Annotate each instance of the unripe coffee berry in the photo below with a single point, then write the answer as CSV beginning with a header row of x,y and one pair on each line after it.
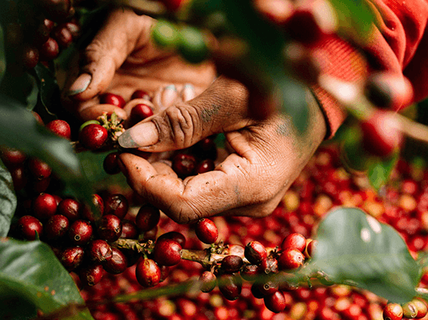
x,y
148,273
294,241
290,259
56,227
409,310
29,227
109,228
167,252
111,98
80,232
99,251
117,263
60,128
206,231
255,252
93,136
147,218
44,206
116,204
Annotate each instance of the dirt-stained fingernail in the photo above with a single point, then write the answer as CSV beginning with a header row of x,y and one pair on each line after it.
x,y
80,84
140,135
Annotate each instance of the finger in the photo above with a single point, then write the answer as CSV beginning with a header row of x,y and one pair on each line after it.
x,y
108,50
221,108
188,92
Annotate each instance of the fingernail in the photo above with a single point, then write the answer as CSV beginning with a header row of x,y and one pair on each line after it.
x,y
80,85
188,92
140,135
169,95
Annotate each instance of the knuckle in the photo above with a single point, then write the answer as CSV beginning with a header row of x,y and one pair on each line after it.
x,y
183,125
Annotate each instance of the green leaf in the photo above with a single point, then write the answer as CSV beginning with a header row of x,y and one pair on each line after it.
x,y
49,93
19,129
31,274
380,171
7,200
266,43
355,248
355,18
2,54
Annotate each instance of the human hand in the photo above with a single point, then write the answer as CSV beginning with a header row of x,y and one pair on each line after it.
x,y
268,155
121,59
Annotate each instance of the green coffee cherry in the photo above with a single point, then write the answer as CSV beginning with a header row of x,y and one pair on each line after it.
x,y
165,34
192,46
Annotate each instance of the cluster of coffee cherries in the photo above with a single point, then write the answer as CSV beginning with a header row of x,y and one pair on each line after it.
x,y
38,30
415,309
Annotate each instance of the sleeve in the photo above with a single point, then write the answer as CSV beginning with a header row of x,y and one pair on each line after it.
x,y
399,44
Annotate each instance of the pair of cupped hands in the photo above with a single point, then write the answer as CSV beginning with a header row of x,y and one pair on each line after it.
x,y
190,103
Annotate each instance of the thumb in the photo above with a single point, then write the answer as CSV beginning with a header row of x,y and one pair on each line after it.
x,y
220,108
122,32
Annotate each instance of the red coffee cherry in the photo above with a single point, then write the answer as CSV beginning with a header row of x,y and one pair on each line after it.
x,y
49,50
205,149
12,157
148,273
393,311
147,218
99,205
74,28
206,231
230,286
29,226
208,280
150,235
39,186
381,136
110,227
265,288
421,308
111,98
91,275
255,252
56,10
275,302
290,259
62,35
140,94
110,164
44,206
99,251
183,164
72,258
39,169
205,166
173,5
174,235
129,230
60,128
294,241
117,264
19,178
167,252
256,291
70,208
310,248
140,112
49,24
30,57
93,136
231,264
56,227
116,204
80,232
